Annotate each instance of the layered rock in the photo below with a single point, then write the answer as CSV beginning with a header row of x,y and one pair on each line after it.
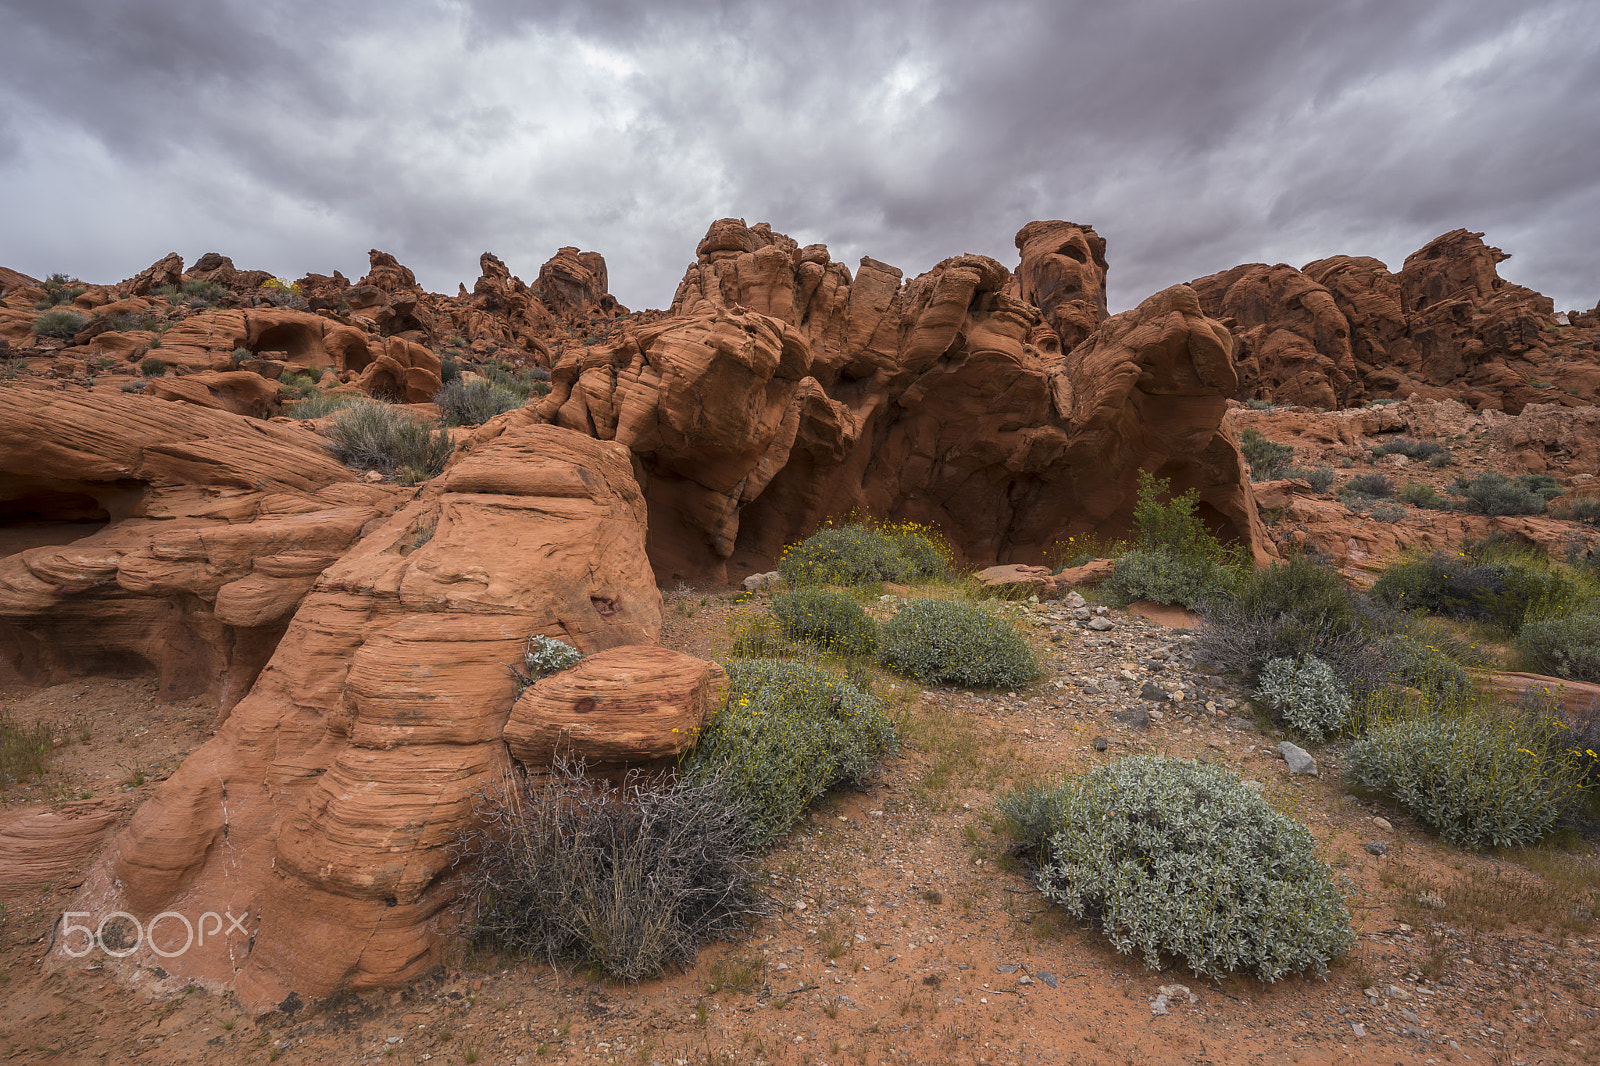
x,y
1446,326
1063,274
326,806
162,537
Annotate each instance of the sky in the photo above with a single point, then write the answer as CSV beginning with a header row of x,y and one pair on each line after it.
x,y
1194,135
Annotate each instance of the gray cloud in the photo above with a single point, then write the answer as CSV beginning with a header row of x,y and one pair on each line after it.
x,y
1193,135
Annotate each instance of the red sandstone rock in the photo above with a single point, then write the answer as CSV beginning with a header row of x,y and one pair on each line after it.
x,y
327,804
1063,274
44,845
238,391
624,706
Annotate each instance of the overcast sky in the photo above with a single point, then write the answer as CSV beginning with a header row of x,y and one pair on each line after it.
x,y
1193,134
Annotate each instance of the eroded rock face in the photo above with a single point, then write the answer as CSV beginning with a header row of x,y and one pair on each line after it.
x,y
162,537
1447,326
944,400
326,805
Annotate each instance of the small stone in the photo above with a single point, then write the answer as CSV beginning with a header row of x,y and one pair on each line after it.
x,y
1412,1030
1410,1015
1102,611
1073,600
1383,823
1358,1028
1380,848
1006,967
1024,980
1177,992
1155,715
1158,1006
1431,900
1048,979
1081,614
1396,992
1100,744
1152,691
1100,625
799,906
1299,760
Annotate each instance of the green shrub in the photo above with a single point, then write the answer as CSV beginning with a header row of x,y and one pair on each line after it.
x,y
1585,509
1083,548
959,643
323,404
59,289
25,750
627,879
788,733
153,367
527,382
1417,494
375,436
1542,485
542,655
1165,577
824,619
1491,493
1266,458
241,356
200,293
1499,585
1387,512
1320,478
859,554
1305,694
473,401
449,370
1476,771
1413,449
1172,527
1566,646
1174,858
60,324
1374,485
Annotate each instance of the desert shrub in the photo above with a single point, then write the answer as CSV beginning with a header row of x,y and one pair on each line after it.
x,y
280,293
1387,512
1491,493
133,386
1175,858
824,619
25,750
201,293
1585,509
449,369
61,324
788,733
1565,646
1374,485
375,436
321,404
527,382
1083,548
1172,527
628,879
59,289
1320,478
543,656
1543,485
1166,577
241,356
473,401
1417,494
857,554
1305,694
1402,659
1496,584
152,367
1267,458
1257,404
1477,771
757,637
1412,449
957,642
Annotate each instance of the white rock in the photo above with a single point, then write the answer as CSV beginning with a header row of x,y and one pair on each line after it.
x,y
1299,760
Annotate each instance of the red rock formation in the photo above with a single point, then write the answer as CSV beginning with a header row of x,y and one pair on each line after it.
x,y
1293,340
326,806
575,282
1063,274
1447,326
167,537
617,708
42,845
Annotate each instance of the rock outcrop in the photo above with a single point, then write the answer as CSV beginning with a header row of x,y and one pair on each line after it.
x,y
326,806
1345,330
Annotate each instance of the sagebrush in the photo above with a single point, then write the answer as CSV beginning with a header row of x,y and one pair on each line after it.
x,y
1172,858
854,554
825,619
957,642
375,436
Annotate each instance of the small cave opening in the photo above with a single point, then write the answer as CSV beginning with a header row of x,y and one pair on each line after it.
x,y
38,513
302,347
401,324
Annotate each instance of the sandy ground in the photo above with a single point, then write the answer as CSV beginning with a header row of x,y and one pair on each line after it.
x,y
903,931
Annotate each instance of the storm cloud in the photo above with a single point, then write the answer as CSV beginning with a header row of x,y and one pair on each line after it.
x,y
1193,135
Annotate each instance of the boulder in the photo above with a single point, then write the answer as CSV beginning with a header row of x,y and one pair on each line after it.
x,y
51,845
624,706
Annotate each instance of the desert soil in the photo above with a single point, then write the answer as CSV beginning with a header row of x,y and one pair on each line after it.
x,y
902,931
